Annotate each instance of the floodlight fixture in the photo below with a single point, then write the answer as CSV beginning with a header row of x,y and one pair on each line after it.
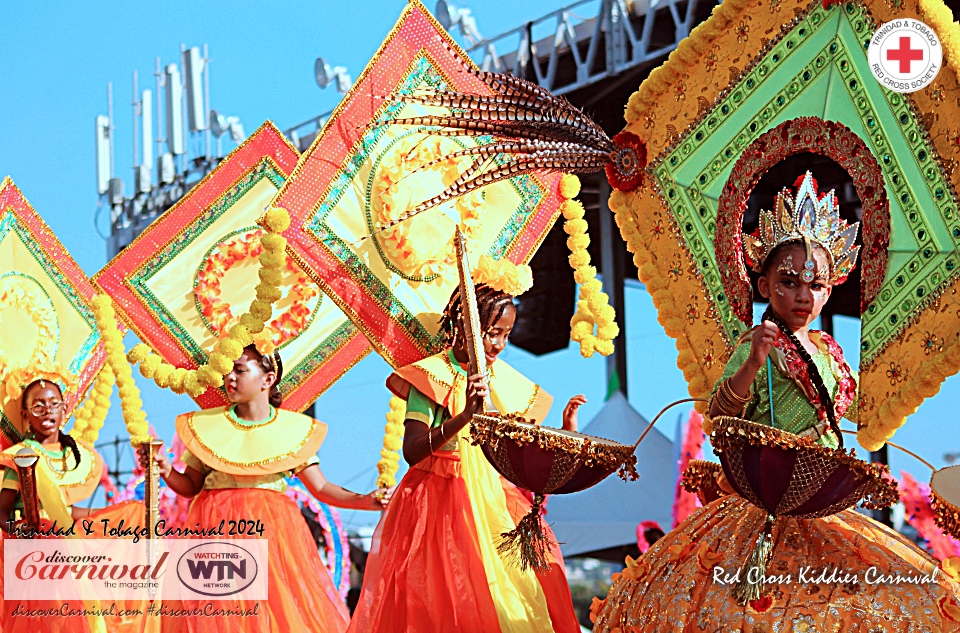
x,y
325,75
451,16
218,124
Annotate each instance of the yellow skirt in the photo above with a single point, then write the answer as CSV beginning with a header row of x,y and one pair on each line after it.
x,y
845,573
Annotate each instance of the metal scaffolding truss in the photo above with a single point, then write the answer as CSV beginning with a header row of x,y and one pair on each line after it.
x,y
602,38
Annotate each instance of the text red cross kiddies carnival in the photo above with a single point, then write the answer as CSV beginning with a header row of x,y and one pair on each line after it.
x,y
905,55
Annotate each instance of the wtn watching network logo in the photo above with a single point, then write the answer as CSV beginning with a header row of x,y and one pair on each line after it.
x,y
217,569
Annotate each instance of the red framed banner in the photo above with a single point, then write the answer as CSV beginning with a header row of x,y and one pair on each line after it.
x,y
363,173
191,274
45,318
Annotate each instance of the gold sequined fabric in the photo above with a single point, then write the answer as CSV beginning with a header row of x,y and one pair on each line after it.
x,y
836,574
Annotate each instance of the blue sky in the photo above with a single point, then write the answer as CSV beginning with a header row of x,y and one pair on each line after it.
x,y
55,62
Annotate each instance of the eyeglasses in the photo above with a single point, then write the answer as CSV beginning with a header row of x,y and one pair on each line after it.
x,y
41,407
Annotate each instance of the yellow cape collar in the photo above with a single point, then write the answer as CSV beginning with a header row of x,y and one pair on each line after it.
x,y
281,443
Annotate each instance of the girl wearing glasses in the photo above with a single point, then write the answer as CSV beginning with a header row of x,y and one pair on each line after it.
x,y
67,473
434,565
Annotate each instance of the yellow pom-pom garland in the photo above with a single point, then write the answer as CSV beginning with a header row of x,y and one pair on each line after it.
x,y
90,417
593,325
392,443
230,348
130,403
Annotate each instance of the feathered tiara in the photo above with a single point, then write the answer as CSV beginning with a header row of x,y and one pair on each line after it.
x,y
811,218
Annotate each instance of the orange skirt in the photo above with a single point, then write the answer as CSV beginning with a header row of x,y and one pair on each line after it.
x,y
830,574
425,572
301,593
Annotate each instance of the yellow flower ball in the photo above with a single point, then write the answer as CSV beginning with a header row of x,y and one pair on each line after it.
x,y
603,347
585,274
230,348
128,391
581,330
261,309
252,323
277,220
575,227
393,443
162,375
208,377
241,335
176,379
587,347
221,363
578,242
268,293
578,259
272,259
149,365
274,242
192,384
572,210
137,353
271,276
569,186
608,332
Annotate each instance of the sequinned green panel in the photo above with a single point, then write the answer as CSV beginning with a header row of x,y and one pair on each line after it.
x,y
819,68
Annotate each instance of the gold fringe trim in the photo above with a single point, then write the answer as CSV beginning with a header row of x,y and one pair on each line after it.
x,y
700,478
490,429
880,492
945,514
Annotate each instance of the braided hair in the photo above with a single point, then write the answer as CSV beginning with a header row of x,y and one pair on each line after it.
x,y
66,440
491,304
824,394
270,363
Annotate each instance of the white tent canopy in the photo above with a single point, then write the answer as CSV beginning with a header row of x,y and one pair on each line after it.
x,y
607,514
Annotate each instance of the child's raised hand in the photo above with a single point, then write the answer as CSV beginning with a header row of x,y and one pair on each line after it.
x,y
160,457
763,338
570,412
477,391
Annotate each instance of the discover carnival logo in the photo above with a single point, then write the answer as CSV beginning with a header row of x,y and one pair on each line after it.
x,y
121,569
905,55
217,569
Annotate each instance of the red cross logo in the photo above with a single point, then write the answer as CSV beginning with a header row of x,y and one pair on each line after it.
x,y
905,55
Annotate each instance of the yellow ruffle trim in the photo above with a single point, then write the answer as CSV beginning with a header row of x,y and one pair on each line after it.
x,y
593,325
670,314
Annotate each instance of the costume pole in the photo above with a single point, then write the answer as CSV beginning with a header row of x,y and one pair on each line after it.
x,y
26,462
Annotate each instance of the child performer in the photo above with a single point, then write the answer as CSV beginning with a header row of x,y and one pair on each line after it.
x,y
434,565
237,458
67,473
837,573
